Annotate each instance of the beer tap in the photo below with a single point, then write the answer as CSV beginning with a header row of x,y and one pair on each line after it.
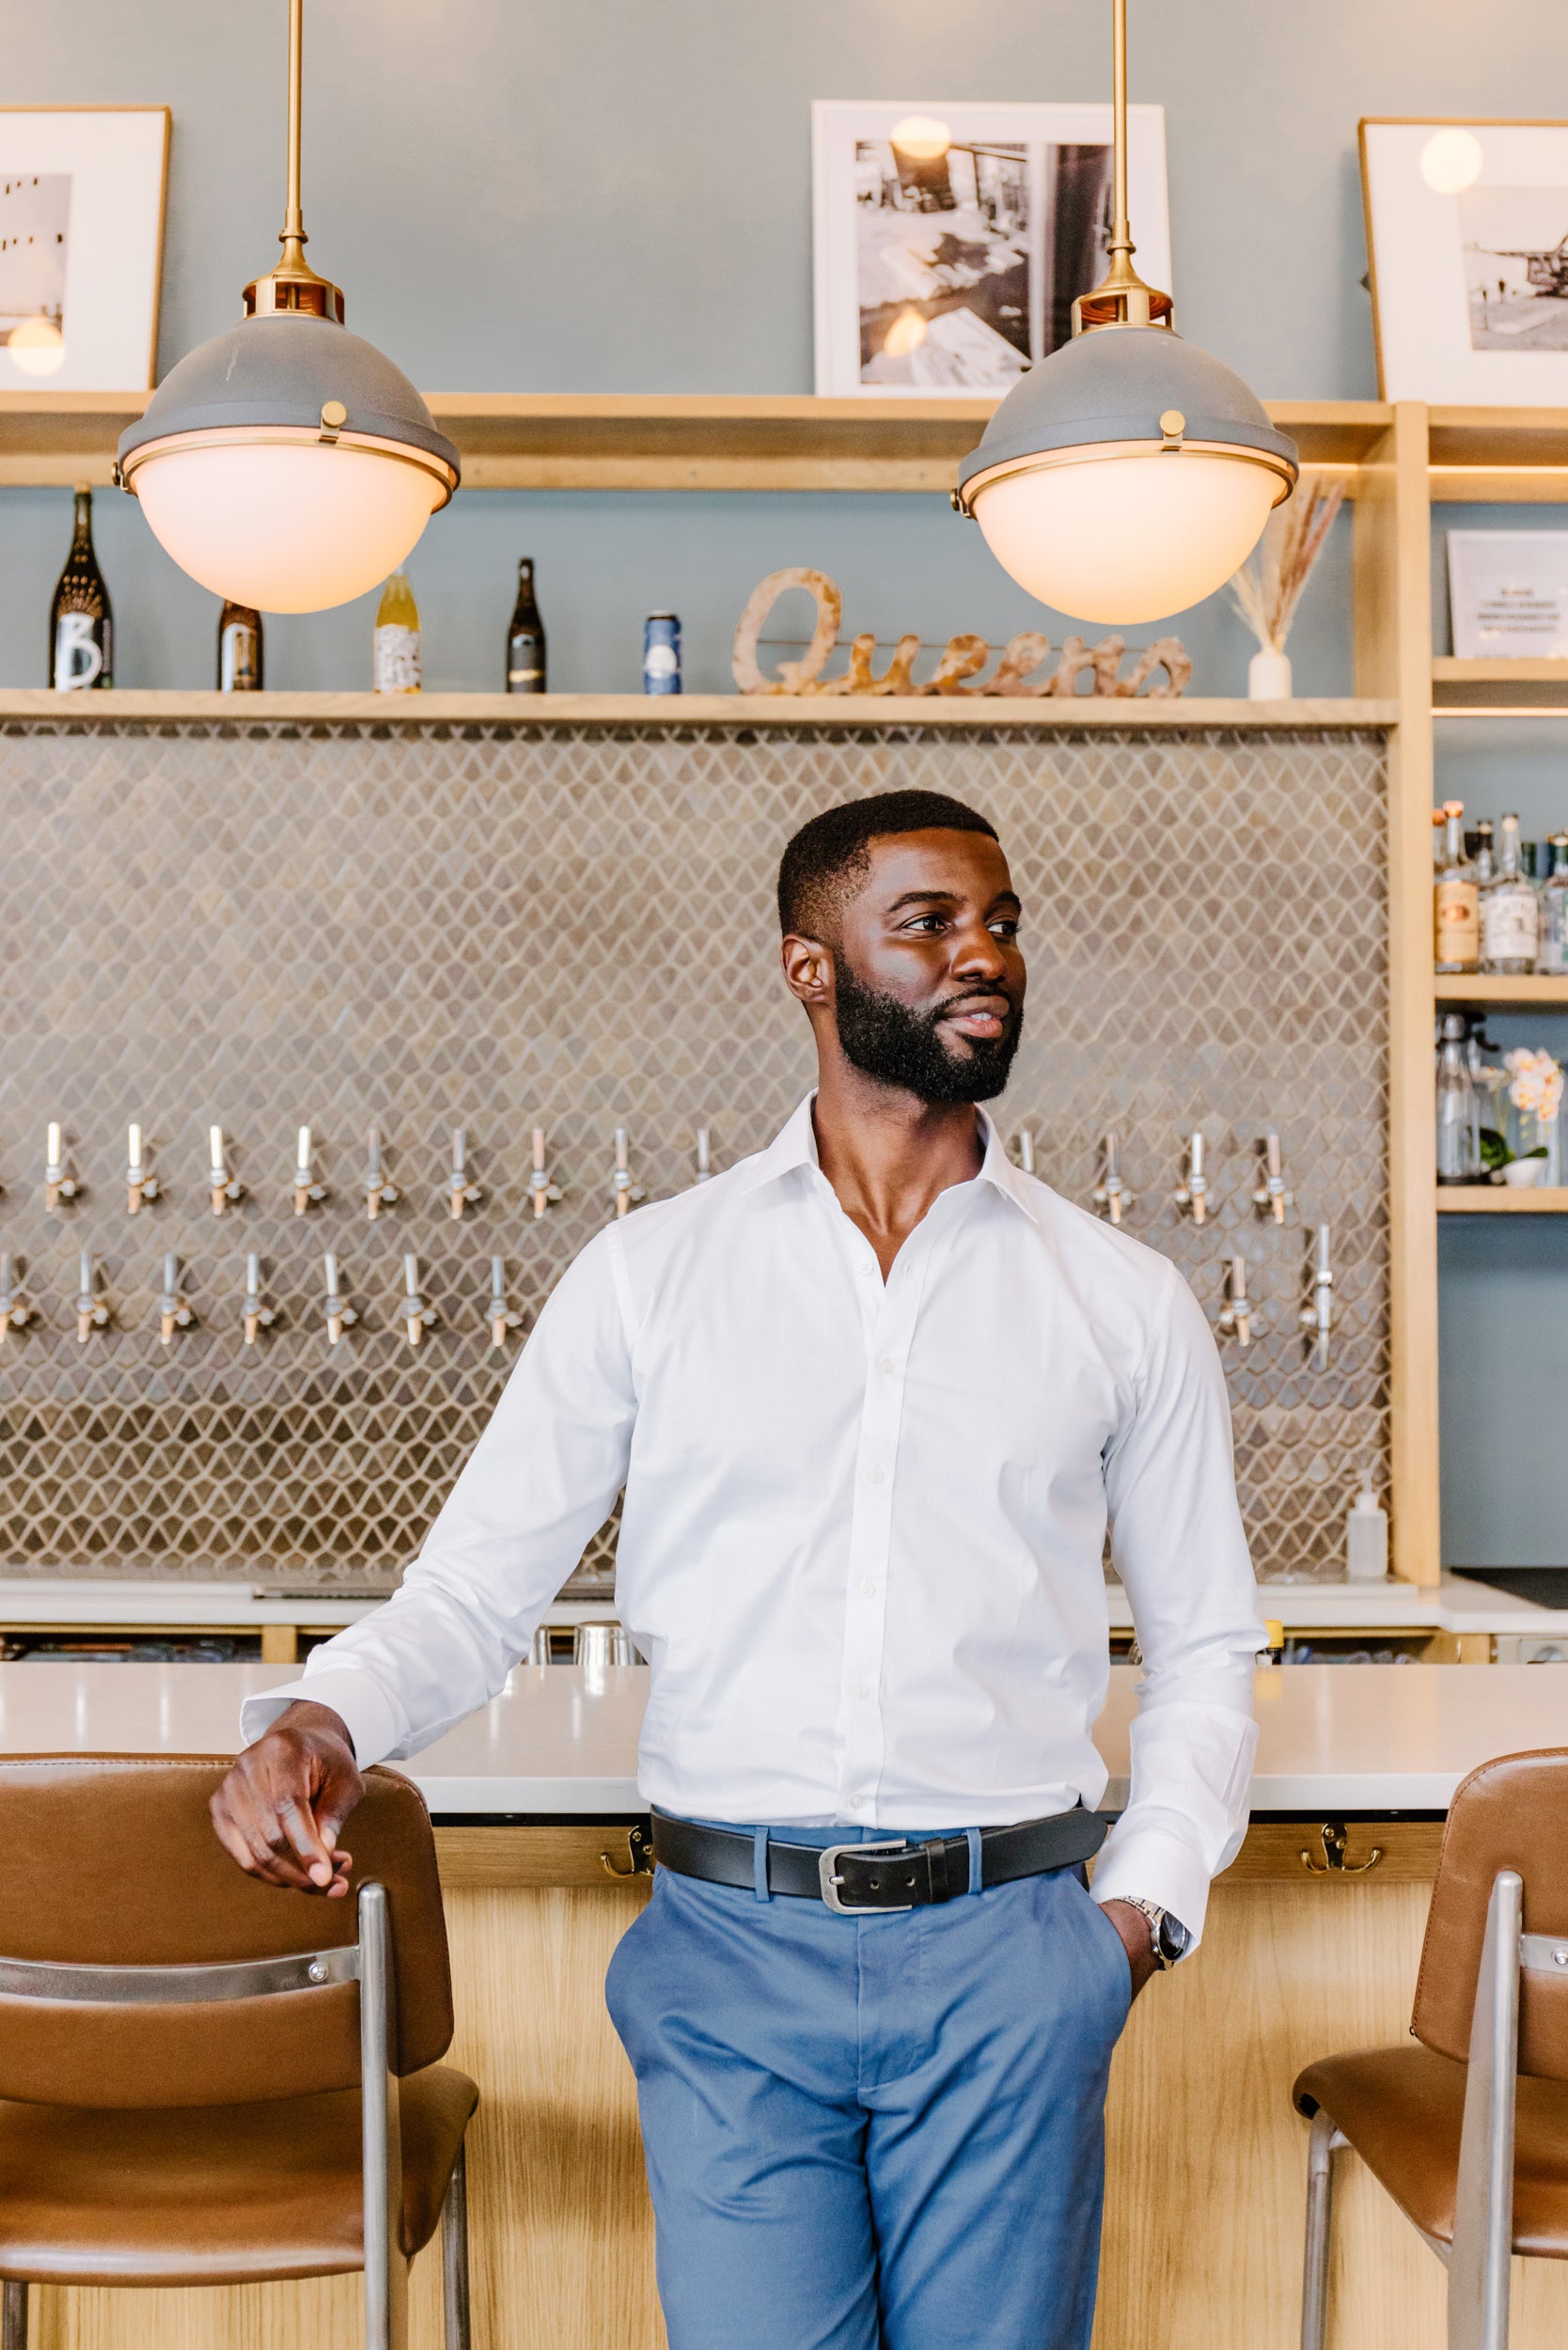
x,y
704,1157
257,1316
1111,1195
1271,1199
57,1184
544,1191
1192,1197
341,1316
462,1194
624,1192
224,1190
500,1316
378,1193
417,1316
91,1312
173,1312
15,1312
1026,1150
1237,1318
1317,1315
139,1185
309,1193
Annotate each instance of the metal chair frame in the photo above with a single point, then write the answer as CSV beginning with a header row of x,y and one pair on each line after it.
x,y
1478,2258
367,1962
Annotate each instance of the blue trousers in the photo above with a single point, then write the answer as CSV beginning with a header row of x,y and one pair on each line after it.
x,y
874,2133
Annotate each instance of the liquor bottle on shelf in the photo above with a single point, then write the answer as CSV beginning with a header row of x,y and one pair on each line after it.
x,y
239,649
661,653
80,624
1458,1112
1439,841
1456,901
1553,956
1510,910
1481,852
525,637
397,638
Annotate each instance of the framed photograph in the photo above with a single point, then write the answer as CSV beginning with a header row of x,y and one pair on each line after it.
x,y
80,246
1467,242
1508,594
950,241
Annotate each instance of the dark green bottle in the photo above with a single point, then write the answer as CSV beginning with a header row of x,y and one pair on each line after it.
x,y
525,637
81,625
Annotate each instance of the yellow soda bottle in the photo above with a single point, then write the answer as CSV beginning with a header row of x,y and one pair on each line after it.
x,y
397,638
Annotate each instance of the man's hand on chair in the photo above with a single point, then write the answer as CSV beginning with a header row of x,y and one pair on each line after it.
x,y
280,1811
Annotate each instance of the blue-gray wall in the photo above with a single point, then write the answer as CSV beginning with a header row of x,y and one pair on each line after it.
x,y
613,197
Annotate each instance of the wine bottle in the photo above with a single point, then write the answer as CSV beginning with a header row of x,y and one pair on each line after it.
x,y
239,649
81,625
397,639
525,637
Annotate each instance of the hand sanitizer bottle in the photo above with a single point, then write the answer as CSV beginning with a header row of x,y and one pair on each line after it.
x,y
1367,1538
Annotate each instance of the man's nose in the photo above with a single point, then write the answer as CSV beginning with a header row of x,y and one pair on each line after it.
x,y
978,953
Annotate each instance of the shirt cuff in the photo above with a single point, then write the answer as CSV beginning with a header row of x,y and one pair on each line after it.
x,y
1156,1867
356,1697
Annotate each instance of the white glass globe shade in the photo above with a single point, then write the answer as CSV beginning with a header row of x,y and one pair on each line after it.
x,y
1451,161
1127,539
36,347
285,526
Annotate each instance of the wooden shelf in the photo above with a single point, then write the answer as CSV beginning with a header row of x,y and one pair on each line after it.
x,y
133,707
1498,455
1458,988
1500,1199
655,441
1475,688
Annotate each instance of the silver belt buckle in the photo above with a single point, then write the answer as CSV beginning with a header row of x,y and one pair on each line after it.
x,y
830,1882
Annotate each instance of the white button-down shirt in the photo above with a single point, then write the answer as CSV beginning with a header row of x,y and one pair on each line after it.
x,y
862,1538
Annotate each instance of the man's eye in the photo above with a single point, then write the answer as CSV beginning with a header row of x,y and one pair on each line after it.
x,y
1008,931
929,922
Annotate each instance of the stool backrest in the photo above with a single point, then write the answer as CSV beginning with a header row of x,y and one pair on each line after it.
x,y
111,1861
1513,1814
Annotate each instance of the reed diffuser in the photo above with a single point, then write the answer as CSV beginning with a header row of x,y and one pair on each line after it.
x,y
1267,588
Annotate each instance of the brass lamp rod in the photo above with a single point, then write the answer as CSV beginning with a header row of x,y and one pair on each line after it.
x,y
1122,298
294,222
293,285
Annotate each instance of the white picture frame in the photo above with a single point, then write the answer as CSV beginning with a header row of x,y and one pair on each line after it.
x,y
1466,241
1508,594
82,198
1021,180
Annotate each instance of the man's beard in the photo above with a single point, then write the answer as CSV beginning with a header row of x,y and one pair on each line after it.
x,y
904,1048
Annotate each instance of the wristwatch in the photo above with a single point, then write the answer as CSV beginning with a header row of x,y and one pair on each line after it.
x,y
1169,1937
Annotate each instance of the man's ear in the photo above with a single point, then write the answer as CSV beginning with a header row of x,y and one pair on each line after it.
x,y
807,969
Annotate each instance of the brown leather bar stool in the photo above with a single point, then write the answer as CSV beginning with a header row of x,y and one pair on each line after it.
x,y
1468,2131
204,2080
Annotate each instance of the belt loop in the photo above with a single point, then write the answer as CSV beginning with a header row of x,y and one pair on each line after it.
x,y
760,1864
972,1835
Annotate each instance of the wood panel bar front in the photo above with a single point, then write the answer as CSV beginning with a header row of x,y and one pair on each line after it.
x,y
1206,2160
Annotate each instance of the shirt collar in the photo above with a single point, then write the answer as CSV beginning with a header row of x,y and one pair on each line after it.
x,y
795,1145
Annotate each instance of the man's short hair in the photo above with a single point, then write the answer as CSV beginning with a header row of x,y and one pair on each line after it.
x,y
828,858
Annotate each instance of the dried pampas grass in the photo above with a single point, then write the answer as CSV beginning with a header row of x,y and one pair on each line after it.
x,y
1267,588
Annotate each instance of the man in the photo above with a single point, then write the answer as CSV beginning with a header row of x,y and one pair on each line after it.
x,y
872,1396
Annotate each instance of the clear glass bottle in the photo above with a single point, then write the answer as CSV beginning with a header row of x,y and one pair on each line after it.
x,y
1456,901
80,624
1510,910
1458,1118
397,638
1366,1537
1553,956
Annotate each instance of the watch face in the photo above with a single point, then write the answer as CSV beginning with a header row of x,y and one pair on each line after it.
x,y
1175,1938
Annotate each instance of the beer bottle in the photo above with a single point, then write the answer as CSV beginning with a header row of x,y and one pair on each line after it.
x,y
239,649
397,638
525,637
81,625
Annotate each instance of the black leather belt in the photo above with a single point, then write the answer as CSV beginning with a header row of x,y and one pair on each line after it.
x,y
892,1873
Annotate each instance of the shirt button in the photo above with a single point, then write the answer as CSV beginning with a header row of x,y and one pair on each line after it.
x,y
861,1690
887,1365
868,1588
860,1803
875,1477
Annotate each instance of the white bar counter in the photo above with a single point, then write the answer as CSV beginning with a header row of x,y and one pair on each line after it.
x,y
561,1740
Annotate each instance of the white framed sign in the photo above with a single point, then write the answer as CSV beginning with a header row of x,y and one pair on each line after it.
x,y
951,240
1467,242
81,191
1508,594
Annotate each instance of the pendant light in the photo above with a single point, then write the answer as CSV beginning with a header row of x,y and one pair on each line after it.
x,y
1128,475
286,465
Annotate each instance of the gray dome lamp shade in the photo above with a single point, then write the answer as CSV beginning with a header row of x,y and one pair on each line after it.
x,y
287,464
1128,475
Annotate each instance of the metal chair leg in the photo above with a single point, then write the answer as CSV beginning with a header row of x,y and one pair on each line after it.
x,y
1321,2149
385,2269
13,2315
454,2255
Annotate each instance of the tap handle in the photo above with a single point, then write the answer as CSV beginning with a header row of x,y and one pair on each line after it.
x,y
704,1157
1026,1150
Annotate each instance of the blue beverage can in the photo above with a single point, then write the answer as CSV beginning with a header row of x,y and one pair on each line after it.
x,y
661,653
